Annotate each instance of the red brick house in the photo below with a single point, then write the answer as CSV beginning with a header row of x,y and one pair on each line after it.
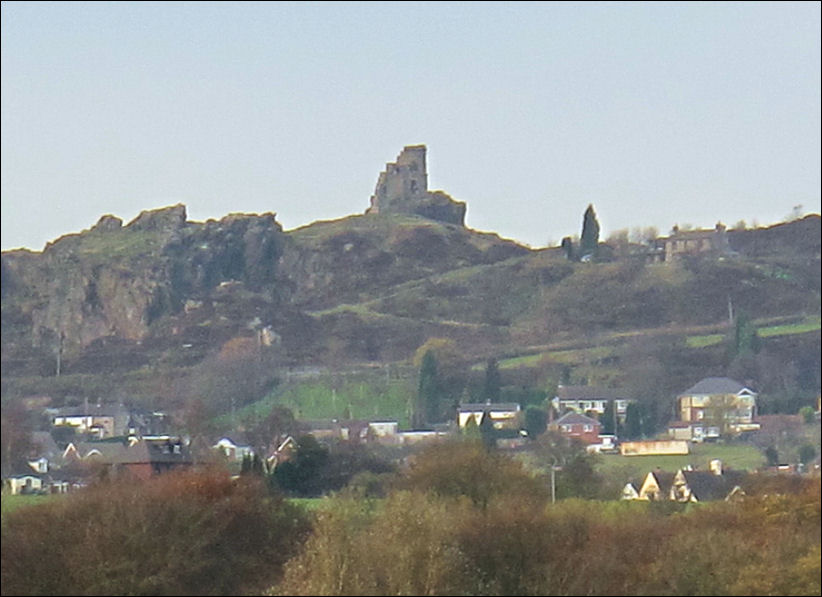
x,y
575,425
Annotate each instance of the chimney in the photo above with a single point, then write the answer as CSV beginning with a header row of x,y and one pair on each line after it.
x,y
716,467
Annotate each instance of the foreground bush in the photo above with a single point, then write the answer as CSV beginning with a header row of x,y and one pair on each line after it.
x,y
442,540
195,533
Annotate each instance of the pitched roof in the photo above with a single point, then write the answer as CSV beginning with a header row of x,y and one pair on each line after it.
x,y
706,486
104,450
590,393
493,407
94,410
144,452
715,385
573,418
664,479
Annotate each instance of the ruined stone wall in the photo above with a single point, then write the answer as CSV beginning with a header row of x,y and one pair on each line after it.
x,y
403,183
402,188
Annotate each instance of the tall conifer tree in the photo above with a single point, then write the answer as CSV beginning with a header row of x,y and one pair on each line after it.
x,y
589,240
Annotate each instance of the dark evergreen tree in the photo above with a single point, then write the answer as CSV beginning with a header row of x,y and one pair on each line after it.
x,y
428,393
536,422
302,475
744,339
487,431
257,466
589,240
633,421
608,419
491,389
772,456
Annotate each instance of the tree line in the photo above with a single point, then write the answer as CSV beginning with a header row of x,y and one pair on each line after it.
x,y
457,518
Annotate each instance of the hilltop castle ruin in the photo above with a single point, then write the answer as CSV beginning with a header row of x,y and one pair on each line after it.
x,y
402,188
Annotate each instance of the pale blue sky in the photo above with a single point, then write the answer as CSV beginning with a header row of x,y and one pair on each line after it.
x,y
658,114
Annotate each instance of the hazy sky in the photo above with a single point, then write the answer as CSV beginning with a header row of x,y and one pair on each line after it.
x,y
658,114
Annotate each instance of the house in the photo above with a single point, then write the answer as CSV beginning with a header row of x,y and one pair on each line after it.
x,y
140,457
284,452
577,426
656,486
704,486
97,420
417,436
92,451
693,431
503,415
382,429
144,422
692,486
23,483
144,459
233,449
607,443
703,242
629,492
583,399
721,402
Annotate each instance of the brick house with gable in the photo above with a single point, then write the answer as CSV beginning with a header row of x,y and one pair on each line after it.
x,y
576,426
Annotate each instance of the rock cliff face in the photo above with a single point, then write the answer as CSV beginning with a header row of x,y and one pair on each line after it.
x,y
402,188
162,282
115,280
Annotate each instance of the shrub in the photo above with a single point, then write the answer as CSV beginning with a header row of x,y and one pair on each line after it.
x,y
190,533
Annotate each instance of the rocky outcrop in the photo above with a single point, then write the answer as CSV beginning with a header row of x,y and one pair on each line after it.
x,y
402,188
114,280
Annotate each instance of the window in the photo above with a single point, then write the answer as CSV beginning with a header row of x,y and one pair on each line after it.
x,y
588,428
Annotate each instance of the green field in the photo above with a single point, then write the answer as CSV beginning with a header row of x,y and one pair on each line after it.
x,y
14,502
733,456
809,324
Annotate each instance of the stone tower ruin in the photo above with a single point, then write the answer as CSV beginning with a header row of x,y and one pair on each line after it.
x,y
402,188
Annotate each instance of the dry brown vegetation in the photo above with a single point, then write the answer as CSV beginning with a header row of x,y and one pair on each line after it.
x,y
458,521
433,537
196,533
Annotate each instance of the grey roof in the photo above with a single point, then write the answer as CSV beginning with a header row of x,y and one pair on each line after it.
x,y
715,385
493,407
664,480
150,452
95,410
590,393
107,450
706,486
573,418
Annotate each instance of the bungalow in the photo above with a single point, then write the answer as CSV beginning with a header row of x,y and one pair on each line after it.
x,y
577,426
23,483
